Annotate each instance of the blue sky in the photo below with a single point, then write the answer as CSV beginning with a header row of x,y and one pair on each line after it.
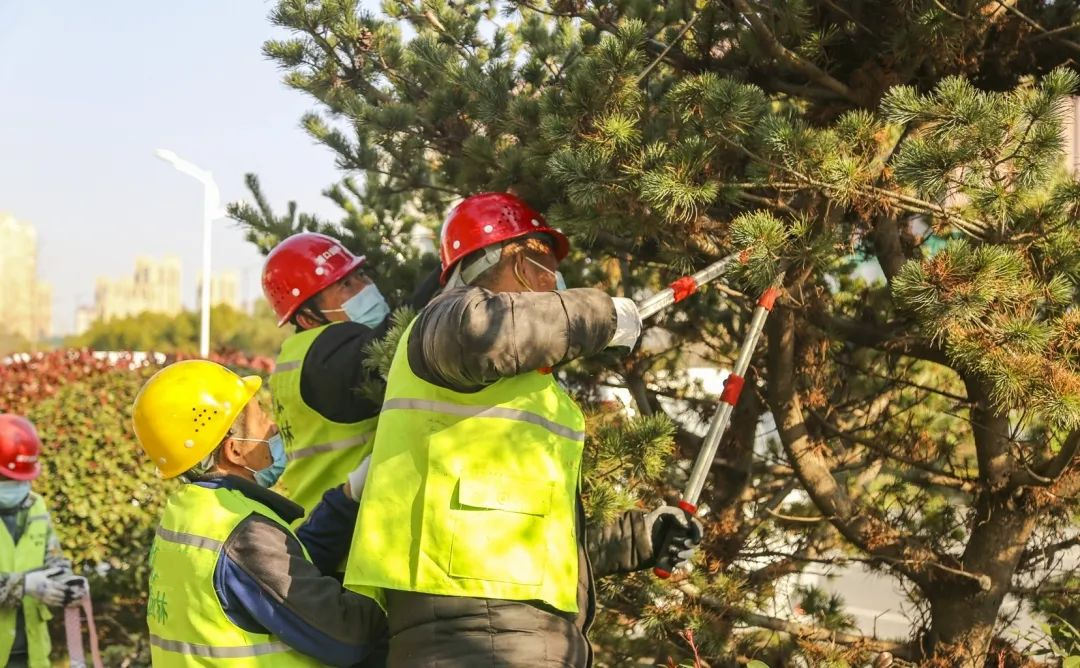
x,y
88,90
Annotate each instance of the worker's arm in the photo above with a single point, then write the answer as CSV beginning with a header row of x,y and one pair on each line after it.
x,y
11,589
266,585
470,337
54,552
327,531
333,375
623,546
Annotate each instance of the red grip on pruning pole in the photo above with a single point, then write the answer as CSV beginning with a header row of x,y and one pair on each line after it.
x,y
690,508
733,385
684,287
544,370
661,573
768,298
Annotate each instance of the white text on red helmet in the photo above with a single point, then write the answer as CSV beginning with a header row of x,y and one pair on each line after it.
x,y
327,254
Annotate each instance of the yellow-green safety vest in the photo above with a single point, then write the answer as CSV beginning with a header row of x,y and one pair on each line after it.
x,y
27,555
471,494
321,452
188,626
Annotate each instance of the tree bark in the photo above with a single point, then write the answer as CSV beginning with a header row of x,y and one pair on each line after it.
x,y
963,619
1003,520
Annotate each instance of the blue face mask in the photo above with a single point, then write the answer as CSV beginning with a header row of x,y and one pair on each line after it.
x,y
268,476
13,492
366,307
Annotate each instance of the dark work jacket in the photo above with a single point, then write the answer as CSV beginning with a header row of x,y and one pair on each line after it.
x,y
333,371
465,339
266,585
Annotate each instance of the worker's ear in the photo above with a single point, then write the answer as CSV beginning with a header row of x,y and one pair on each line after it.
x,y
306,321
234,451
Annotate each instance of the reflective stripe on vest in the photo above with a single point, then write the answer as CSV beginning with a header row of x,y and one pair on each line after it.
x,y
186,621
471,494
484,412
320,453
217,652
27,555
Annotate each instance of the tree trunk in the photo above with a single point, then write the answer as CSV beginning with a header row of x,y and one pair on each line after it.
x,y
963,619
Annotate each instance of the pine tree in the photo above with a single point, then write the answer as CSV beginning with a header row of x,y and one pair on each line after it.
x,y
930,419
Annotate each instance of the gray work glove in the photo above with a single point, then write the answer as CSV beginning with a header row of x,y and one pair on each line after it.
x,y
355,485
45,585
627,323
685,535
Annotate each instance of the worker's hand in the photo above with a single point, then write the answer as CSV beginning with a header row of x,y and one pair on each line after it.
x,y
44,585
75,588
354,487
627,324
685,535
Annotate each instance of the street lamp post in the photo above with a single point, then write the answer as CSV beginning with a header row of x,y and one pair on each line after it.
x,y
211,211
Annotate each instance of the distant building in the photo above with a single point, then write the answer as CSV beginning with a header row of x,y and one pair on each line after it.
x,y
84,317
154,287
224,290
25,302
1071,130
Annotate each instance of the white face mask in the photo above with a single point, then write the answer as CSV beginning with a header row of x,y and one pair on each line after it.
x,y
560,283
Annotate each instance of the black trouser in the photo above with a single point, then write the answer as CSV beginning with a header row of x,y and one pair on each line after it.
x,y
20,660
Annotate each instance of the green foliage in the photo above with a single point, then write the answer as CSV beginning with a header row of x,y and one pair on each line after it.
x,y
380,352
105,498
621,457
230,330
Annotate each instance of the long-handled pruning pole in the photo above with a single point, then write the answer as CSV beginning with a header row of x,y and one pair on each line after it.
x,y
733,386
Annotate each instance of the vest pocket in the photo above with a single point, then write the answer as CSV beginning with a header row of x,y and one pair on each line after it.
x,y
500,530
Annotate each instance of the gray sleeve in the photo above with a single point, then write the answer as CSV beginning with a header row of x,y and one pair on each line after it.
x,y
470,337
624,546
274,559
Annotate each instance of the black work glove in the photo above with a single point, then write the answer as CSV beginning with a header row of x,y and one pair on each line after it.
x,y
681,533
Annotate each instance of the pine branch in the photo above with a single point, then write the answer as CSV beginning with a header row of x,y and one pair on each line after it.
x,y
667,49
1035,24
803,632
789,58
857,524
1049,552
881,337
928,473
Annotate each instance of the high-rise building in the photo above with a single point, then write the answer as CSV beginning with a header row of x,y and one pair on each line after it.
x,y
25,303
154,287
1071,130
224,290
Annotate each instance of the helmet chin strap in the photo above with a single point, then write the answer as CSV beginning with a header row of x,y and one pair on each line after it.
x,y
491,256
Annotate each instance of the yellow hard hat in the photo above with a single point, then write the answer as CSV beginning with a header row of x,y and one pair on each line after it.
x,y
185,410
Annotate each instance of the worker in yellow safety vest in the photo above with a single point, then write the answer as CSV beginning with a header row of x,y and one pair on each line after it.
x,y
326,420
472,500
231,584
34,575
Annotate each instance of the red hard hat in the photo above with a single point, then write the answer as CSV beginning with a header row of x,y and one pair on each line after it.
x,y
302,266
19,448
490,218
